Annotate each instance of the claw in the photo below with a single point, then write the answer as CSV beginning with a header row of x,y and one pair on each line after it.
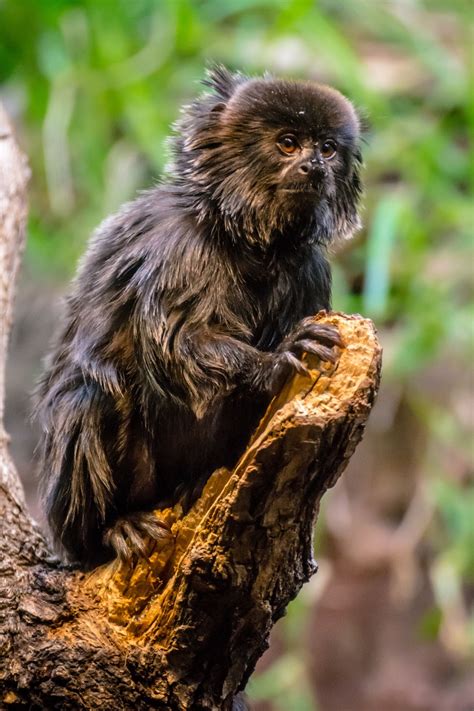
x,y
295,363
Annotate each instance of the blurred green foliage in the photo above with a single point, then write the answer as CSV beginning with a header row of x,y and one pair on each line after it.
x,y
94,85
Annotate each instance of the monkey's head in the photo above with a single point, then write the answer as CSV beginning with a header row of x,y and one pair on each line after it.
x,y
274,158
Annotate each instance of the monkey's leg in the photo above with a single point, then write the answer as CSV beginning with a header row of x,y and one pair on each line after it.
x,y
133,526
89,484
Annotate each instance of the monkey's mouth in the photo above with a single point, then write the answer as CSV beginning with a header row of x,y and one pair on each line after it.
x,y
302,188
299,190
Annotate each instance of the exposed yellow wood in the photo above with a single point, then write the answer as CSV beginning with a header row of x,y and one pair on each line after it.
x,y
134,601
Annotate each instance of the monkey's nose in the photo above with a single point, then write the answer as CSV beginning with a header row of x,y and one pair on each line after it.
x,y
310,166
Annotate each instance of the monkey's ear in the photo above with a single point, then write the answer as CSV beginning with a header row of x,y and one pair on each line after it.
x,y
365,125
223,82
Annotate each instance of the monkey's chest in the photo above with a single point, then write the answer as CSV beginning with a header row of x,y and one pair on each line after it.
x,y
277,314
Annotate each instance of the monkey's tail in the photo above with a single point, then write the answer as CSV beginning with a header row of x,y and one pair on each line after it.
x,y
77,481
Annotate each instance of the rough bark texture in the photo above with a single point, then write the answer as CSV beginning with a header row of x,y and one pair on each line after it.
x,y
184,629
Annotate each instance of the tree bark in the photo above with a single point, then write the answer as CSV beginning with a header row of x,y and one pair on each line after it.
x,y
183,629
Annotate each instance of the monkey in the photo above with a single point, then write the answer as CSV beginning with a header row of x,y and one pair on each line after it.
x,y
191,306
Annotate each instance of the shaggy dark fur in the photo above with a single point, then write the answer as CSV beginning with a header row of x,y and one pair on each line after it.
x,y
188,309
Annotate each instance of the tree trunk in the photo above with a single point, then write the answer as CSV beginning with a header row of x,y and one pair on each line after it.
x,y
183,629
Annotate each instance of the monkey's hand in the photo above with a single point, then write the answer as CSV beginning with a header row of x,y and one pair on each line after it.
x,y
131,534
307,337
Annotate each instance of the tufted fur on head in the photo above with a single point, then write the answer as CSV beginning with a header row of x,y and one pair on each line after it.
x,y
225,158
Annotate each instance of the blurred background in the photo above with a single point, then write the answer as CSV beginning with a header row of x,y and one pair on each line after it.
x,y
92,87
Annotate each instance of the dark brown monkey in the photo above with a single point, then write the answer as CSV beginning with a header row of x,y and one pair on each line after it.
x,y
190,306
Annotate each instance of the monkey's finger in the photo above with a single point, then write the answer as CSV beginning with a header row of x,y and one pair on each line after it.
x,y
293,362
153,527
317,349
328,335
115,538
135,539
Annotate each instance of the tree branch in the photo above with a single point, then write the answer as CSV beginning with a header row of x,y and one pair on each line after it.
x,y
14,176
183,629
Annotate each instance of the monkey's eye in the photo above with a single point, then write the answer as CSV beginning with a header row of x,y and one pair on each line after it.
x,y
288,144
328,149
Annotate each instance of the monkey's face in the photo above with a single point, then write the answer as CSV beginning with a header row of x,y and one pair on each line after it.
x,y
276,154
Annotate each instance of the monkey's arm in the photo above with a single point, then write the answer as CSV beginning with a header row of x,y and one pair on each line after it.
x,y
202,362
197,363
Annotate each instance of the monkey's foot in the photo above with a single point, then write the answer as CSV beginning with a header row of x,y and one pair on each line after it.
x,y
130,535
308,337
